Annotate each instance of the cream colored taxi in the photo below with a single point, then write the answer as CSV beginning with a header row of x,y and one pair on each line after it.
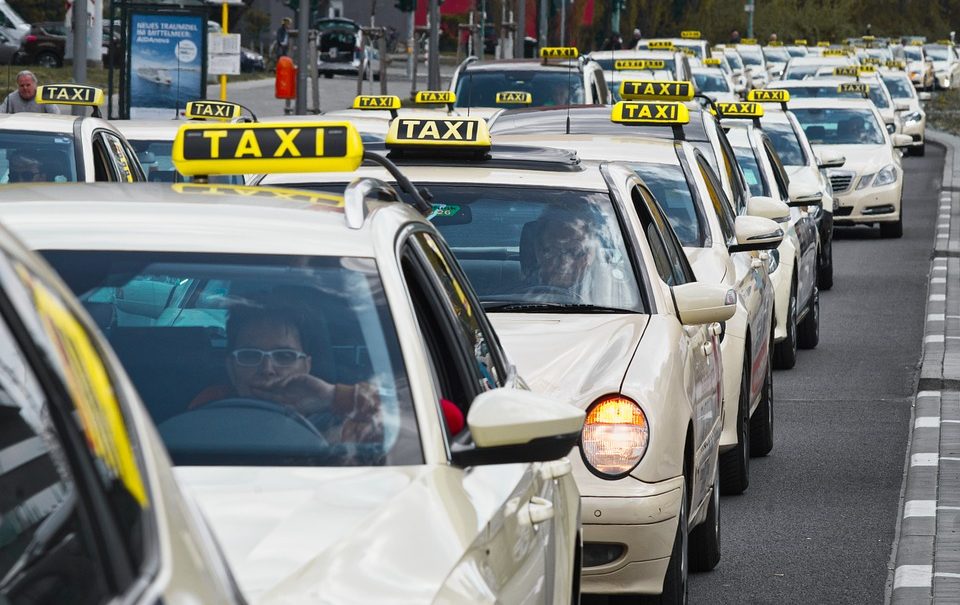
x,y
592,294
323,376
914,117
868,189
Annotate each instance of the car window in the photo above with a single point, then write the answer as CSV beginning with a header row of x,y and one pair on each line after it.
x,y
840,126
669,186
899,87
786,143
156,158
751,170
779,174
672,265
712,81
36,156
718,199
476,88
123,165
255,359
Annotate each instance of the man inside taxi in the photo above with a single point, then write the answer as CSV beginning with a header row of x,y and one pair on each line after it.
x,y
562,252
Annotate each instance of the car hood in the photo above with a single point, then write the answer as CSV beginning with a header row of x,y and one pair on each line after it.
x,y
573,357
295,534
862,159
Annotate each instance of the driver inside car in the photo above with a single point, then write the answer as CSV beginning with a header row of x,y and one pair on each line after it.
x,y
562,252
267,360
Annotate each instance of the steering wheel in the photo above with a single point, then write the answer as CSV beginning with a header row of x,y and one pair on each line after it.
x,y
557,290
267,406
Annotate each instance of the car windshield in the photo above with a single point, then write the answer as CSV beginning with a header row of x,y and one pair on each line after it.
x,y
156,158
899,87
751,171
799,72
874,92
776,55
616,77
712,81
36,157
786,144
840,126
797,51
937,53
669,186
913,53
696,48
536,245
752,57
255,360
547,88
734,59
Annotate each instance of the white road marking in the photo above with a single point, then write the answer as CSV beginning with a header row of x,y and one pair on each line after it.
x,y
924,422
920,508
925,459
936,317
933,338
913,576
938,280
928,394
938,297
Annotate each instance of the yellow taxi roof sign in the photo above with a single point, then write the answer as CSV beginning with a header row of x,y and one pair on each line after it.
x,y
800,42
206,149
660,45
768,95
866,69
945,42
895,64
459,133
868,38
846,70
688,51
774,43
739,110
559,52
690,34
376,102
834,52
916,42
667,113
212,110
433,97
712,62
638,64
663,90
70,94
871,61
513,97
748,40
823,43
856,87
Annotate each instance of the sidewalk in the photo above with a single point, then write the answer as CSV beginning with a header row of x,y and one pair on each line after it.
x,y
926,552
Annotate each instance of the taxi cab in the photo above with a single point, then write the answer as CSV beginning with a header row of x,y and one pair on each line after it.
x,y
840,85
322,375
800,68
946,63
752,55
614,62
559,77
92,510
919,66
869,188
690,42
742,75
38,147
777,56
589,288
914,118
714,83
716,243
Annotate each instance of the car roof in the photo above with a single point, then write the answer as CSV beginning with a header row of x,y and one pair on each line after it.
x,y
38,122
586,119
148,129
642,53
593,147
831,103
185,218
522,65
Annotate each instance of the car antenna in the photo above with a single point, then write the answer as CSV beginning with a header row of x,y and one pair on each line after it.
x,y
569,74
469,92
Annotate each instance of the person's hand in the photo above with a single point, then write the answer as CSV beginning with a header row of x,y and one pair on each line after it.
x,y
365,423
305,393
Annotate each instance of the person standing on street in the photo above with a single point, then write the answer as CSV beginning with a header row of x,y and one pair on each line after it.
x,y
283,37
734,37
23,100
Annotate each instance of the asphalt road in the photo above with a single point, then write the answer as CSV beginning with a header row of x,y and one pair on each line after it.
x,y
817,522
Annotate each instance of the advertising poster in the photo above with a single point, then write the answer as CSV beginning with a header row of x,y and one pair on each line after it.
x,y
166,63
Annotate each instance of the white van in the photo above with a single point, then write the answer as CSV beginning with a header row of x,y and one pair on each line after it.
x,y
11,23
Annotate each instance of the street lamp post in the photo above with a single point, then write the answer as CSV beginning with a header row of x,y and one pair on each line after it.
x,y
751,9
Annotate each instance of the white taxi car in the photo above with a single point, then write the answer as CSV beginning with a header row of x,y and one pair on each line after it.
x,y
752,55
37,147
323,377
919,66
800,68
914,118
612,61
588,286
868,87
715,84
869,188
946,63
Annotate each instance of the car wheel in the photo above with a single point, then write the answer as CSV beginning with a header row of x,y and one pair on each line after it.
x,y
734,465
705,538
893,230
920,151
825,267
808,332
48,60
678,569
761,423
785,352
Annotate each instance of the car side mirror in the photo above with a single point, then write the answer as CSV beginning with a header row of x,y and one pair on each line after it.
x,y
830,159
924,96
901,105
804,195
700,303
901,140
768,208
510,426
755,233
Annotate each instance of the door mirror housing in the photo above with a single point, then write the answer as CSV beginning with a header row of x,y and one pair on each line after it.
x,y
804,194
901,105
901,140
755,233
700,303
511,426
924,96
769,208
830,159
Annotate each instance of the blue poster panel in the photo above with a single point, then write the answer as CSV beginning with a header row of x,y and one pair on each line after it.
x,y
166,63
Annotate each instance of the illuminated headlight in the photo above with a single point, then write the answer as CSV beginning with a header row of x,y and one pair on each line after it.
x,y
865,181
614,437
887,176
913,116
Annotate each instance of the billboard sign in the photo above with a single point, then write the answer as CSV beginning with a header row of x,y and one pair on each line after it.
x,y
166,66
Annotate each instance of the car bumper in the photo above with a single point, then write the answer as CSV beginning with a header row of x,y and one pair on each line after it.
x,y
916,130
868,205
337,68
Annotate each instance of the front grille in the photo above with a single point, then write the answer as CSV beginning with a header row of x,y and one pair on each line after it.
x,y
840,181
842,211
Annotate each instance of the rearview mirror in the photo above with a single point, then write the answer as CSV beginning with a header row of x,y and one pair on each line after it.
x,y
802,194
756,233
901,140
901,105
924,96
510,426
699,303
830,159
768,208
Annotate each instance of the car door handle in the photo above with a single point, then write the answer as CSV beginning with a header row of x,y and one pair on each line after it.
x,y
707,348
555,469
536,511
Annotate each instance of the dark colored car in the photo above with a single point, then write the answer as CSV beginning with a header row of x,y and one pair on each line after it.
x,y
44,44
251,61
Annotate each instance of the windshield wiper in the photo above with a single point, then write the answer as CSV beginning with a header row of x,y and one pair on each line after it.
x,y
529,307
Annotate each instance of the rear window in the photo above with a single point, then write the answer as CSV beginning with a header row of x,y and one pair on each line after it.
x,y
156,158
840,126
713,81
36,157
547,88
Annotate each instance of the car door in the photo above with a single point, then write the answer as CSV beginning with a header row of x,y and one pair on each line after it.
x,y
467,360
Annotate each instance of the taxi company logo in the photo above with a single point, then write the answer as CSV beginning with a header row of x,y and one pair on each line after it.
x,y
559,52
644,88
56,93
624,64
517,97
739,109
212,109
649,112
436,96
377,102
436,130
775,96
263,143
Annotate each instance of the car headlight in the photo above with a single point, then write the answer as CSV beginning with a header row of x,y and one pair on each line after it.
x,y
614,437
887,176
773,260
865,180
913,116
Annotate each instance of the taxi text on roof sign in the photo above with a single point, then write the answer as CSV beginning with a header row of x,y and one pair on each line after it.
x,y
216,110
688,51
895,64
872,61
711,62
823,43
428,97
376,102
656,89
846,70
834,52
513,97
856,87
690,34
650,112
748,41
867,69
739,110
70,94
206,149
800,42
660,45
559,52
775,43
438,132
639,64
764,95
945,42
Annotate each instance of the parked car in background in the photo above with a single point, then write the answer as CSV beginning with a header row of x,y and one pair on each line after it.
x,y
343,50
9,50
251,61
44,44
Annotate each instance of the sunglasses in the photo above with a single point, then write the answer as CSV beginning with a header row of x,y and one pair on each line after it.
x,y
254,357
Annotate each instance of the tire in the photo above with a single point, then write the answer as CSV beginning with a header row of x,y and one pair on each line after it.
x,y
825,267
893,230
705,538
328,75
678,569
921,150
734,465
48,60
785,352
761,423
808,332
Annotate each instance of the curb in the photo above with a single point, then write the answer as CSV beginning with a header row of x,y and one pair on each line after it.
x,y
925,558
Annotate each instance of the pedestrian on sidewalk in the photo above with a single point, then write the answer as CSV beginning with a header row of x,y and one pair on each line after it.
x,y
283,37
23,100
